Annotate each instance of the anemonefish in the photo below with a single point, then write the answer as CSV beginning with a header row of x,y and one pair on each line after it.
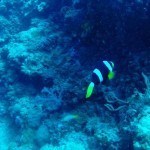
x,y
104,71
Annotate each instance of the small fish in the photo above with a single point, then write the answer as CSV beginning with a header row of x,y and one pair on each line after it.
x,y
69,117
104,71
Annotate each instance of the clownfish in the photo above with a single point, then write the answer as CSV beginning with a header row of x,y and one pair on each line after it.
x,y
104,71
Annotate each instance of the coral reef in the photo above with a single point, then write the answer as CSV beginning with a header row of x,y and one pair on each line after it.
x,y
48,49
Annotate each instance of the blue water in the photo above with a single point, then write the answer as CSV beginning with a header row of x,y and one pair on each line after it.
x,y
50,52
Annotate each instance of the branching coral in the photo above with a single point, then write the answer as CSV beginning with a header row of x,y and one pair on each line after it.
x,y
24,113
147,83
104,132
50,99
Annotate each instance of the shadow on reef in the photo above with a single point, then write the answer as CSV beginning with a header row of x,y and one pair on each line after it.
x,y
36,81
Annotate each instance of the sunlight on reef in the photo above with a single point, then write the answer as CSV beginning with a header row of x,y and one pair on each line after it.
x,y
6,134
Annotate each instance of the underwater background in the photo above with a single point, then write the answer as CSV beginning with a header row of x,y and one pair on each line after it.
x,y
48,50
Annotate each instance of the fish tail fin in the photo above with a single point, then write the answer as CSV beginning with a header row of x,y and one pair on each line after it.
x,y
90,90
111,75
